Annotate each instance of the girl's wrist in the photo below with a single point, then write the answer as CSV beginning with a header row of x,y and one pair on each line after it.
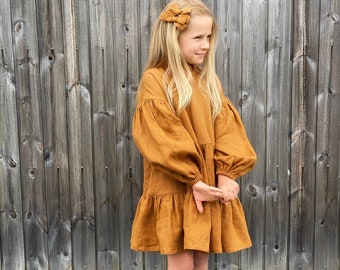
x,y
223,177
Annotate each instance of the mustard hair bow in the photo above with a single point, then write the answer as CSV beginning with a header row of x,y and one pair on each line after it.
x,y
180,17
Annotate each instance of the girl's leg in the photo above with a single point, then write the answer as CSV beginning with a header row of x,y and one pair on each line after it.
x,y
181,261
201,260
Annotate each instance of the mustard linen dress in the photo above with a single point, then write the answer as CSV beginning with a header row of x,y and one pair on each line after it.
x,y
179,151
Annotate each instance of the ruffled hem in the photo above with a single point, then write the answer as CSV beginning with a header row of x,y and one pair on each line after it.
x,y
170,224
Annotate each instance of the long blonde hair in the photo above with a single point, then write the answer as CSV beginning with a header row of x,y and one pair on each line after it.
x,y
165,52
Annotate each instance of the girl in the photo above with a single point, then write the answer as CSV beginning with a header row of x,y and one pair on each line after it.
x,y
193,143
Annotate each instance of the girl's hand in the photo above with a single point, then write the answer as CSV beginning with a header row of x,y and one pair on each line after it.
x,y
229,187
204,193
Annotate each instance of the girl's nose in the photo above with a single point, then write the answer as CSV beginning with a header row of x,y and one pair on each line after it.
x,y
206,44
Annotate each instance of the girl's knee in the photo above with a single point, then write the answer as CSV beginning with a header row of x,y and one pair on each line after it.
x,y
182,261
201,260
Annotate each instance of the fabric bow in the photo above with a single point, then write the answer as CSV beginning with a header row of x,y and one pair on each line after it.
x,y
180,17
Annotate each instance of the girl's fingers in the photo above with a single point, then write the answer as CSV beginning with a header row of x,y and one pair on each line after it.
x,y
199,206
229,196
216,193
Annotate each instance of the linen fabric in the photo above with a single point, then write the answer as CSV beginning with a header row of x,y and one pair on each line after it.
x,y
178,151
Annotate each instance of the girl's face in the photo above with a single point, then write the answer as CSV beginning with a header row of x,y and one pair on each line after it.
x,y
194,41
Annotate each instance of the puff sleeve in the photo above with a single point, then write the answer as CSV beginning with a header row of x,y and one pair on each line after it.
x,y
234,155
160,135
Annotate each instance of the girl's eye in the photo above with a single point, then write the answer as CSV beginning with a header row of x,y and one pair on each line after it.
x,y
200,37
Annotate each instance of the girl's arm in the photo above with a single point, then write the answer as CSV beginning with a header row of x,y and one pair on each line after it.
x,y
234,155
160,136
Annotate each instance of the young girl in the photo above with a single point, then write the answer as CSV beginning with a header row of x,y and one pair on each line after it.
x,y
193,143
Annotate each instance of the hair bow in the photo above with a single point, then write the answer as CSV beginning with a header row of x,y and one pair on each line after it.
x,y
180,17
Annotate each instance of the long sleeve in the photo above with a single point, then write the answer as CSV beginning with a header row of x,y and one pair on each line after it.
x,y
234,155
160,136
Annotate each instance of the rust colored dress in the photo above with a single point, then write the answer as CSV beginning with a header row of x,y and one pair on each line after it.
x,y
178,152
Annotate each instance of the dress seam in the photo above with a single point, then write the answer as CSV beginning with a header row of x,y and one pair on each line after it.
x,y
163,194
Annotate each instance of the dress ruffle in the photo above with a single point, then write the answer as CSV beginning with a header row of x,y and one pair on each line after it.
x,y
170,223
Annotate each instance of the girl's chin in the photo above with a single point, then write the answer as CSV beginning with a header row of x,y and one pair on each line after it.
x,y
196,62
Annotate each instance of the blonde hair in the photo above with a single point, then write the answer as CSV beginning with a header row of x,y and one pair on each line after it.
x,y
165,52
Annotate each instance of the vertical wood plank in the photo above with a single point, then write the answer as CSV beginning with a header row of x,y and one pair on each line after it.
x,y
302,190
278,129
252,104
79,135
6,43
12,253
327,250
228,64
297,139
52,80
104,134
132,185
30,132
126,29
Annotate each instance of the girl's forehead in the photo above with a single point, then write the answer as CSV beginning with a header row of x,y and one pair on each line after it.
x,y
205,18
200,23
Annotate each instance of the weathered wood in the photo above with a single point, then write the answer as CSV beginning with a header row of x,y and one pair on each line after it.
x,y
11,224
228,64
297,136
79,135
71,175
12,252
277,129
55,134
327,133
131,188
104,132
125,27
30,133
304,82
253,108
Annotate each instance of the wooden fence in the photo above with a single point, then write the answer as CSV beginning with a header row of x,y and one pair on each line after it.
x,y
70,174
